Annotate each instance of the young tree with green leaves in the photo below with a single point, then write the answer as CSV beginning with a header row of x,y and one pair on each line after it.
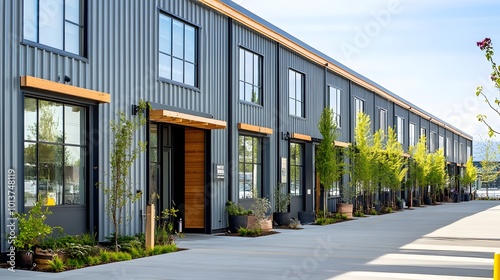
x,y
436,172
328,158
470,174
122,156
418,167
396,163
360,155
489,166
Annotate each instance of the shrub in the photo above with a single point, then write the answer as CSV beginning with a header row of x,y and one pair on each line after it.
x,y
56,264
359,214
162,249
249,232
373,212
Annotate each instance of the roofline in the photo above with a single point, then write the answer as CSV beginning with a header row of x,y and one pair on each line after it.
x,y
256,23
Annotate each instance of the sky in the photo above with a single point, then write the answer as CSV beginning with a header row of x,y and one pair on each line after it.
x,y
423,51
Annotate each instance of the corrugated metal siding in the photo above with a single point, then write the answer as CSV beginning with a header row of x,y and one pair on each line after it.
x,y
366,95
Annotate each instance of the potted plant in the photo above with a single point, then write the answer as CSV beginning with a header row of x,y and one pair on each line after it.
x,y
260,219
32,231
237,216
282,199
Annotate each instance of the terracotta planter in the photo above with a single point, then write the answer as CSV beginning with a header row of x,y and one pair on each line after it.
x,y
265,225
344,208
42,258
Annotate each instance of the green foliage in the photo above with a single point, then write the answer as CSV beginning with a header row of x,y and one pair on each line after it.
x,y
260,208
122,156
162,249
249,231
79,251
109,256
418,166
76,263
489,164
56,264
359,214
282,198
165,233
470,174
329,163
487,47
387,210
236,210
373,212
32,227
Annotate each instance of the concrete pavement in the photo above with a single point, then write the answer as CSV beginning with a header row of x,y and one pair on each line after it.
x,y
449,241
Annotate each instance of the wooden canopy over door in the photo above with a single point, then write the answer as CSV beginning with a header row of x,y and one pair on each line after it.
x,y
194,178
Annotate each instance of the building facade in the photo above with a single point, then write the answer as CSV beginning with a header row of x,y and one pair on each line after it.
x,y
235,105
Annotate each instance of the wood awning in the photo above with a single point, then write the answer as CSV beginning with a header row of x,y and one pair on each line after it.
x,y
166,116
73,91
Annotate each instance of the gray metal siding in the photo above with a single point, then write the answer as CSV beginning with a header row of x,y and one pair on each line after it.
x,y
366,95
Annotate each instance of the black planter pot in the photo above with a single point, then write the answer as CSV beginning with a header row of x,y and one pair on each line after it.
x,y
427,200
24,259
307,217
282,218
416,202
236,222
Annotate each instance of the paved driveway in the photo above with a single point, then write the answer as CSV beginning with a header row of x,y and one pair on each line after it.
x,y
449,241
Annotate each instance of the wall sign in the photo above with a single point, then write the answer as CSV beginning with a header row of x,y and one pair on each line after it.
x,y
284,170
219,172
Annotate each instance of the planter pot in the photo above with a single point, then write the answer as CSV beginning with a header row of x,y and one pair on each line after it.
x,y
307,217
466,196
282,219
427,201
24,259
42,258
266,225
416,202
237,221
345,208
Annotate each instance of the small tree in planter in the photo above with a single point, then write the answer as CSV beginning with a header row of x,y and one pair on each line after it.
x,y
282,199
122,156
259,210
32,231
328,159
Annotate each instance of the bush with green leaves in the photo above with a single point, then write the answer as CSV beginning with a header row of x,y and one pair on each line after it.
x,y
236,210
32,227
56,264
249,231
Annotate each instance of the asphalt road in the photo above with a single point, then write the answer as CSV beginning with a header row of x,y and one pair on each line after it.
x,y
449,241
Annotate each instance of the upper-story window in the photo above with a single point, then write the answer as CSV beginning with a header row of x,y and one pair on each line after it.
x,y
441,142
411,134
433,142
448,147
296,95
455,151
250,77
461,153
177,58
400,122
468,155
55,23
382,114
334,104
359,106
423,132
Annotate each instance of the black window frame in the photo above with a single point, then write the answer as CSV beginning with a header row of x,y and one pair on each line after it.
x,y
242,76
337,112
296,101
257,160
83,52
196,46
298,166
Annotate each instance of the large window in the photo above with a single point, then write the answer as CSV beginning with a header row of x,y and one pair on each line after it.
x,y
468,155
441,142
433,142
382,116
455,151
461,153
448,147
249,167
400,122
296,95
296,168
411,134
55,23
334,104
423,132
177,58
359,106
250,77
54,152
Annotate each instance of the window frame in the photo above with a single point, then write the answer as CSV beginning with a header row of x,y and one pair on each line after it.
x,y
298,166
259,164
196,45
302,102
400,129
337,111
358,101
432,142
83,25
411,134
382,113
260,66
86,146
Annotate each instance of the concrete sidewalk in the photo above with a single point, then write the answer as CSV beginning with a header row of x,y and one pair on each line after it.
x,y
449,241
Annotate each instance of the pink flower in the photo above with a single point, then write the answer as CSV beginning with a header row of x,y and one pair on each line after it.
x,y
484,44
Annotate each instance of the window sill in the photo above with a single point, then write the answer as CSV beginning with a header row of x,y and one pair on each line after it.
x,y
175,83
244,102
54,50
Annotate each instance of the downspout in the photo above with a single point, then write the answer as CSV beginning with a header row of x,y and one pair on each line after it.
x,y
278,115
230,109
148,164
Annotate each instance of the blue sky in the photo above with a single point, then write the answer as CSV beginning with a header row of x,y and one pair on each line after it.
x,y
424,51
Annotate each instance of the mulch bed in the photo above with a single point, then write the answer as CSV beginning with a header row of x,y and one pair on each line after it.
x,y
264,233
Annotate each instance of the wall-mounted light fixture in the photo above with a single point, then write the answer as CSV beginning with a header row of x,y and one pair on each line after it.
x,y
285,136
